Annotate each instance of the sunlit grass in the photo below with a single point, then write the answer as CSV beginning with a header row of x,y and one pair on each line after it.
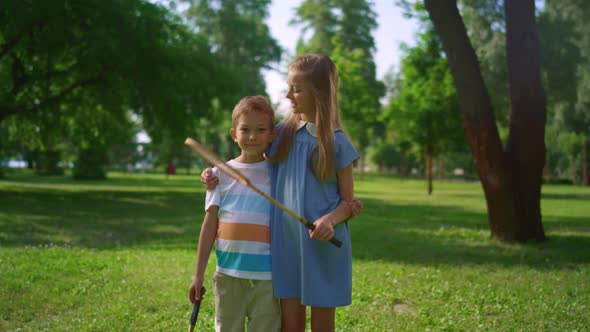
x,y
118,255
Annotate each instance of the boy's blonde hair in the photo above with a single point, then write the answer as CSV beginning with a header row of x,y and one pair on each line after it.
x,y
321,75
252,104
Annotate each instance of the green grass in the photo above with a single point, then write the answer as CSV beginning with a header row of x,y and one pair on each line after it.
x,y
118,255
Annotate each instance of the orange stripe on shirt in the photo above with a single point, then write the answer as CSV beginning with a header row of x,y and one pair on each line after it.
x,y
243,232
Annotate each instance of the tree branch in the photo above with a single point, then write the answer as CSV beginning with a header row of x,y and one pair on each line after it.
x,y
6,110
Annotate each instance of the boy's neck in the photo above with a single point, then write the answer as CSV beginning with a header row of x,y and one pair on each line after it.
x,y
249,159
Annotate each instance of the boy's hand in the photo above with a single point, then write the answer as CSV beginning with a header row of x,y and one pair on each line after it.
x,y
209,180
324,230
194,291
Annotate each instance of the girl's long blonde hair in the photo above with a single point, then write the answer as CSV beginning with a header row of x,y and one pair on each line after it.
x,y
321,75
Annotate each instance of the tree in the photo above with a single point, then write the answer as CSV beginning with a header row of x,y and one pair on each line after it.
x,y
240,38
317,17
564,26
511,176
426,112
63,63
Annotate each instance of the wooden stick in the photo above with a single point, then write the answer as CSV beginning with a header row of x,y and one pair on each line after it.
x,y
234,173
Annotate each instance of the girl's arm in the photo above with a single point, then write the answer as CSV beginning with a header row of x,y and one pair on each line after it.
x,y
206,241
208,179
348,207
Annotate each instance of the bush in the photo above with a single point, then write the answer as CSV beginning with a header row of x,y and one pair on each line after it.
x,y
90,164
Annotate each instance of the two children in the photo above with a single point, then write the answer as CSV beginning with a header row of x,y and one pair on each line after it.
x,y
311,173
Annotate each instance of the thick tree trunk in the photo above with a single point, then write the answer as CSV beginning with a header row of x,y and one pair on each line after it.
x,y
513,202
526,141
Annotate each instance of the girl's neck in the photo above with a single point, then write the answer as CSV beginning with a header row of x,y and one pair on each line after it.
x,y
307,119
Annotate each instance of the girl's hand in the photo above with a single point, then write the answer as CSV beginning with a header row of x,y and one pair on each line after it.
x,y
209,180
194,291
355,206
324,230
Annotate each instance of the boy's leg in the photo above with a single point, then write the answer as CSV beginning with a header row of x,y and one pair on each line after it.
x,y
230,308
264,312
292,315
323,319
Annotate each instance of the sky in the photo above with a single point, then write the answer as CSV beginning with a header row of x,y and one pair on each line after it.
x,y
393,29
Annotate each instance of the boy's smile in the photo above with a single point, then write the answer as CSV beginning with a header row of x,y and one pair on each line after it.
x,y
253,132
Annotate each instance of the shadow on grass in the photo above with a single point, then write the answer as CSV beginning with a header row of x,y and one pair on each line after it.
x,y
405,233
100,219
432,235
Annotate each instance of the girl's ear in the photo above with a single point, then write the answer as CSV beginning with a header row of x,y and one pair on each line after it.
x,y
274,133
232,133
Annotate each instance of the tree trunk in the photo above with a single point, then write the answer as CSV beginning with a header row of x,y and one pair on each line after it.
x,y
429,169
511,179
362,163
547,167
585,163
574,171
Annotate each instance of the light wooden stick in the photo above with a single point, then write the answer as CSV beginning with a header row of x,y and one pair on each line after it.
x,y
237,175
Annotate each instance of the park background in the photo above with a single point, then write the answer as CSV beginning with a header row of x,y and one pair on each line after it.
x,y
473,167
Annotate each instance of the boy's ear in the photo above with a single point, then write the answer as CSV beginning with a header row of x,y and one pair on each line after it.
x,y
232,133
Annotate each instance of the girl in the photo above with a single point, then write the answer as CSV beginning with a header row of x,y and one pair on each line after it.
x,y
312,175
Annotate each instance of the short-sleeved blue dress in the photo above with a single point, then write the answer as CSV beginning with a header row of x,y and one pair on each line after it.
x,y
316,271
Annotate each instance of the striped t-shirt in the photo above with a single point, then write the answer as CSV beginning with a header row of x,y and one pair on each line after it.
x,y
243,233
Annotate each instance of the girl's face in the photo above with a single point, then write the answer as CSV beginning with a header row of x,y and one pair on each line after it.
x,y
253,132
301,97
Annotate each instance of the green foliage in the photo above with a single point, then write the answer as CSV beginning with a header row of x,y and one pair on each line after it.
x,y
119,255
73,71
91,163
48,163
319,18
386,156
563,29
240,38
426,111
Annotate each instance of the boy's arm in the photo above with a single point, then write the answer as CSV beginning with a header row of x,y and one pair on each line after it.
x,y
348,207
206,242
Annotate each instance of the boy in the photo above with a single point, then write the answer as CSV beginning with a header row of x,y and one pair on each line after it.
x,y
237,221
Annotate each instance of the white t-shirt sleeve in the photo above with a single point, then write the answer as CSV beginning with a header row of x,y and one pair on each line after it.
x,y
213,196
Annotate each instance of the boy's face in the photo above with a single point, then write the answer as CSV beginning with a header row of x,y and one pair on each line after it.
x,y
253,132
301,97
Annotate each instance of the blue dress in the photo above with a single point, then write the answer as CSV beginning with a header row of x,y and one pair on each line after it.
x,y
316,271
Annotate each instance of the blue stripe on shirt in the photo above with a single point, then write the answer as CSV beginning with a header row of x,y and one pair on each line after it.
x,y
243,262
250,203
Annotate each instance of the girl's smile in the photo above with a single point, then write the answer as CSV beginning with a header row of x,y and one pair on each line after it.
x,y
301,96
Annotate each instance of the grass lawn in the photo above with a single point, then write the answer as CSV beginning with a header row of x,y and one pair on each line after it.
x,y
118,255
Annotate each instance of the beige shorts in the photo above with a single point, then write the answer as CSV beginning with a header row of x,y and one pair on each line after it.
x,y
237,299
